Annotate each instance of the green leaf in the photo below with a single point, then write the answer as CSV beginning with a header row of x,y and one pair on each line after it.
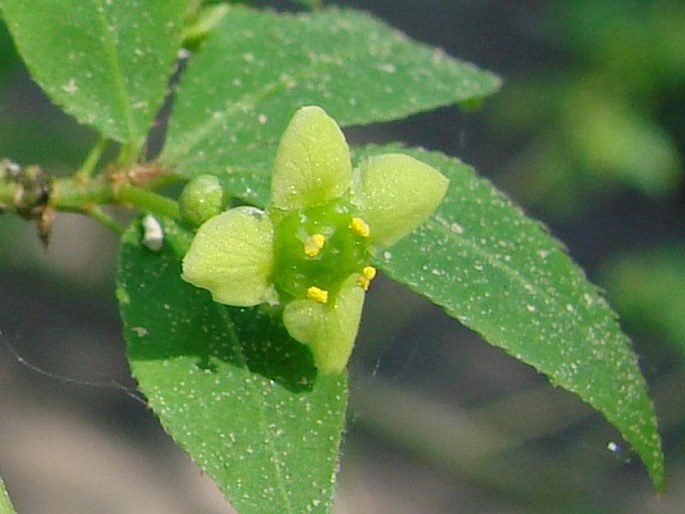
x,y
609,136
502,275
230,386
310,3
105,63
258,68
5,503
648,288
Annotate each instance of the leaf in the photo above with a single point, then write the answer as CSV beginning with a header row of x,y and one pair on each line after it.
x,y
5,503
311,4
648,288
230,386
106,63
258,68
609,136
502,275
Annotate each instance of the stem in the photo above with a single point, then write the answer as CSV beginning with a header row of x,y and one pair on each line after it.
x,y
91,161
99,215
149,201
33,194
72,195
128,154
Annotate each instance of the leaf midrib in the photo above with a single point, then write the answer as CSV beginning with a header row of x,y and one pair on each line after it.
x,y
114,60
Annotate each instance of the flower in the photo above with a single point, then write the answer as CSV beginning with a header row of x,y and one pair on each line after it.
x,y
311,248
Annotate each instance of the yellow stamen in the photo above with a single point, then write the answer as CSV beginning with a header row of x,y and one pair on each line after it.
x,y
317,294
314,244
367,275
360,227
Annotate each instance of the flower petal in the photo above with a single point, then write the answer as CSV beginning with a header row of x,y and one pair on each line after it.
x,y
329,329
232,256
312,162
396,194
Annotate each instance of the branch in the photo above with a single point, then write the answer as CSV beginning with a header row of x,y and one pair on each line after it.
x,y
35,195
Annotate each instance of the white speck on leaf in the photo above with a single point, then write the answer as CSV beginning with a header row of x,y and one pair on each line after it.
x,y
387,68
457,228
70,87
140,331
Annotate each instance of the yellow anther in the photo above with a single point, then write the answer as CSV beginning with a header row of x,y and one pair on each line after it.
x,y
360,227
367,275
317,294
314,244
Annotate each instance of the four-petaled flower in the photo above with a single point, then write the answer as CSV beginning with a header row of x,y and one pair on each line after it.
x,y
311,248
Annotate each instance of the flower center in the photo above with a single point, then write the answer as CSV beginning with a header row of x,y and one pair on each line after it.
x,y
317,248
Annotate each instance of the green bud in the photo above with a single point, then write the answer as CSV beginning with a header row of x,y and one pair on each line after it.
x,y
201,199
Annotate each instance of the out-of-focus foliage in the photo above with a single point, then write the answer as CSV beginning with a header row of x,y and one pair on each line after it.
x,y
648,287
608,117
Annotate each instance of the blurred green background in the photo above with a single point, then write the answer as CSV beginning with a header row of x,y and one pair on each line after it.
x,y
588,135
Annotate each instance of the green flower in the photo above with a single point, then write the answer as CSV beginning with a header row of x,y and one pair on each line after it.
x,y
310,250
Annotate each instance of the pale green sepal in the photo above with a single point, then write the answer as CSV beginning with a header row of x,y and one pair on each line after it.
x,y
396,194
329,329
232,257
312,163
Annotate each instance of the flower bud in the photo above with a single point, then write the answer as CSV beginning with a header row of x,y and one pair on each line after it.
x,y
201,199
